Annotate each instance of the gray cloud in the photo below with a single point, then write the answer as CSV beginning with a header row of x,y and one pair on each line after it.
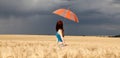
x,y
116,1
97,17
90,12
29,7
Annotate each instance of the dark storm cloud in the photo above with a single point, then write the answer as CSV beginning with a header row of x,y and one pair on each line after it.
x,y
29,7
90,12
97,17
116,1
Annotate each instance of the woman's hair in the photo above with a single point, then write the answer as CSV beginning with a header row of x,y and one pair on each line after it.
x,y
59,25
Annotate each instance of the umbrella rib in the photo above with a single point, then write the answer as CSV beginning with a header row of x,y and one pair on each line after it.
x,y
72,17
66,12
62,13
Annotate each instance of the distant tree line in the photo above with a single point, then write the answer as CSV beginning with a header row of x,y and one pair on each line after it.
x,y
115,36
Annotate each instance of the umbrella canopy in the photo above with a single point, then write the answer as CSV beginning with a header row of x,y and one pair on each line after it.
x,y
66,13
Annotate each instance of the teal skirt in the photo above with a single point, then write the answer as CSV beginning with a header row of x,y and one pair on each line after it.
x,y
59,37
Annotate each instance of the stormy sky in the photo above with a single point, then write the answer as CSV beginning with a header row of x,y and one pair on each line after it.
x,y
96,17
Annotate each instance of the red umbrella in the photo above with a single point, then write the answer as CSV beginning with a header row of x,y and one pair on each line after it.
x,y
66,13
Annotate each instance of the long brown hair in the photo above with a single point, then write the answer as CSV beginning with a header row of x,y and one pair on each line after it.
x,y
59,25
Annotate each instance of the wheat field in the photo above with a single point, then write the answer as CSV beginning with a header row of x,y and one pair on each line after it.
x,y
45,46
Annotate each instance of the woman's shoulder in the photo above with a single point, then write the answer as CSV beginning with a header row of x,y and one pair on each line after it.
x,y
59,29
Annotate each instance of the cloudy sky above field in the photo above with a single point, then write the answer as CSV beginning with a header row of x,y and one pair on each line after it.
x,y
96,17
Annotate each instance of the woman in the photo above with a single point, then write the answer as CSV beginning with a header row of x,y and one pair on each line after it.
x,y
60,33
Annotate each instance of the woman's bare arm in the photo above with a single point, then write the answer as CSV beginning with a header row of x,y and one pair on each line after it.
x,y
61,34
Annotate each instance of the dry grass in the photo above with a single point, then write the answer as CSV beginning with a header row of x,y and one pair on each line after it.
x,y
43,46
